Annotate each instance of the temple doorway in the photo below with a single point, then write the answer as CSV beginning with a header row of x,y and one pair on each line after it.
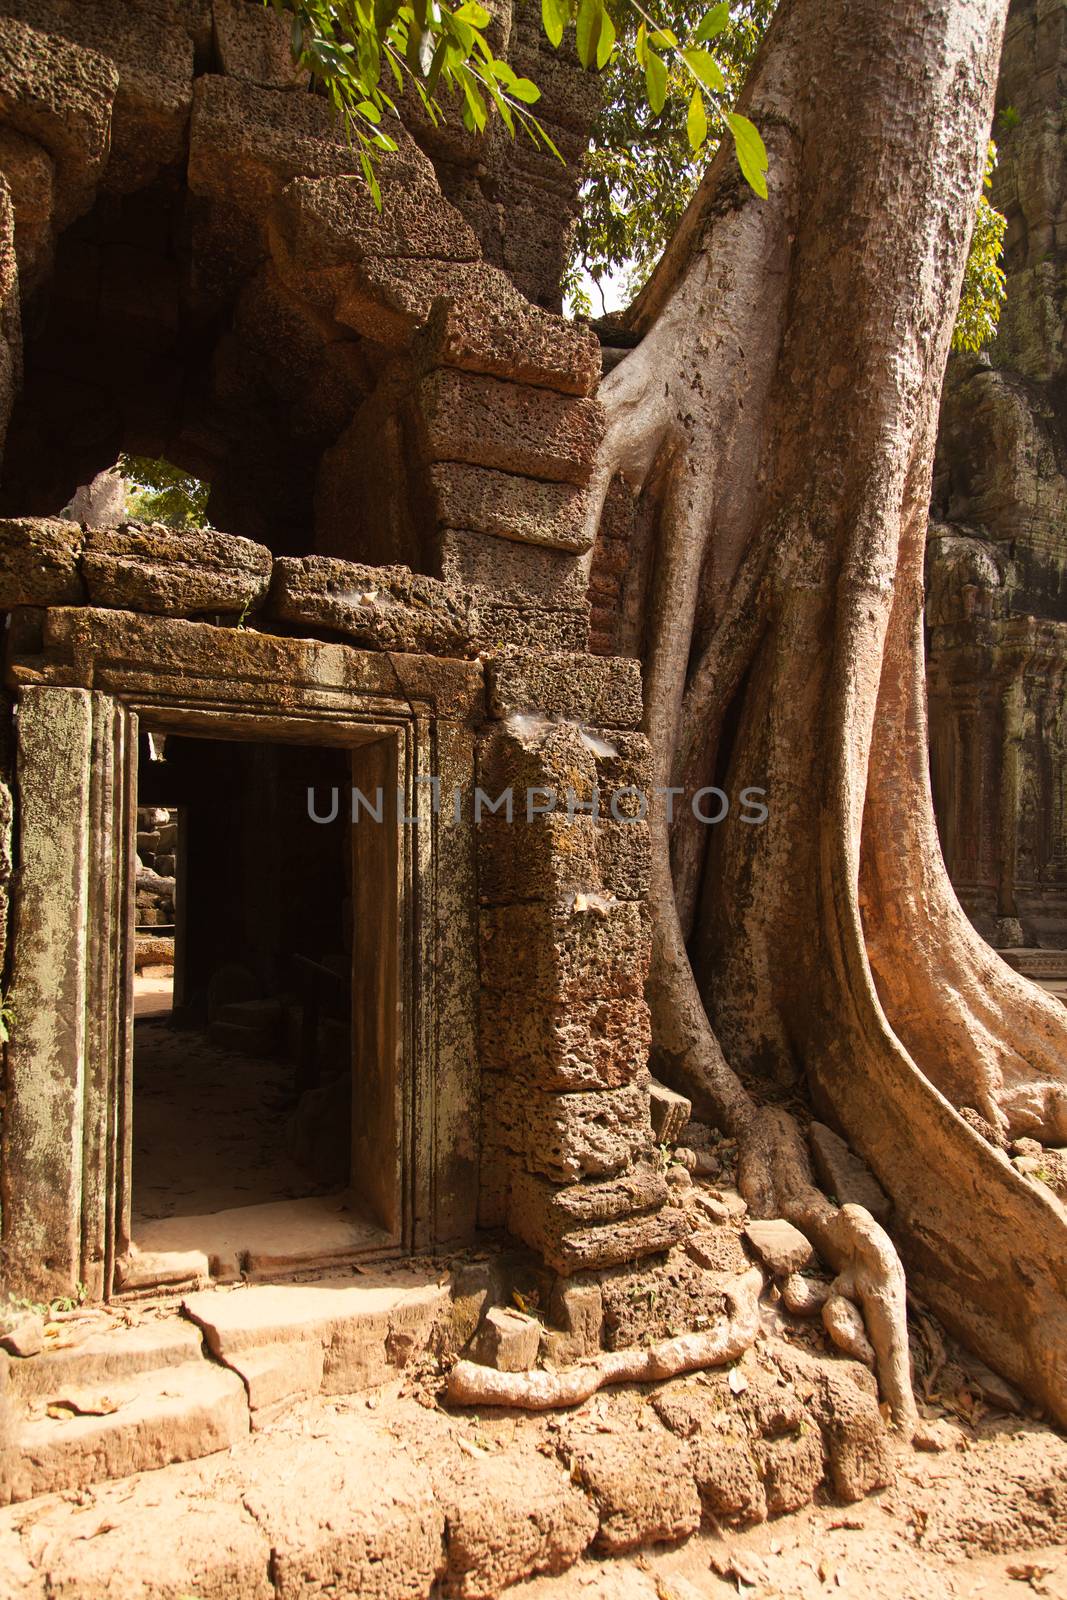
x,y
259,929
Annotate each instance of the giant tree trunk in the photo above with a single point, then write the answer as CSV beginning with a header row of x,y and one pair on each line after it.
x,y
785,398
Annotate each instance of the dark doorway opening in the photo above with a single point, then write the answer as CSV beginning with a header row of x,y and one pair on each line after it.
x,y
243,1124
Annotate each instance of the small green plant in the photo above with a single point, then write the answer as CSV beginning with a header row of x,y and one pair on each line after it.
x,y
7,1017
1007,119
49,1309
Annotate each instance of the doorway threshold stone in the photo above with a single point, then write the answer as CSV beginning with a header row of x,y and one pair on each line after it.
x,y
269,1240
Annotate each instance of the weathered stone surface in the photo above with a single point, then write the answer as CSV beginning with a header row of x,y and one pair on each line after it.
x,y
246,143
552,628
376,1533
717,1249
624,856
577,1309
549,858
670,1113
504,572
172,572
30,173
511,426
587,1249
509,1519
39,563
8,1432
60,95
529,751
728,1480
843,1398
599,1043
43,1117
844,1175
503,336
242,665
288,1340
781,1247
157,1536
642,1188
254,43
536,950
21,1332
388,298
192,1411
507,1340
10,316
524,509
387,608
331,222
792,1469
111,1356
643,1489
602,692
572,1136
154,61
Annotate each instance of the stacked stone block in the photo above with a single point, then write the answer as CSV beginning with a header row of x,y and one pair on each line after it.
x,y
568,1157
507,464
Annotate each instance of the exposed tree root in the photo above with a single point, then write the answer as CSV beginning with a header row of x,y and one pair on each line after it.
x,y
470,1384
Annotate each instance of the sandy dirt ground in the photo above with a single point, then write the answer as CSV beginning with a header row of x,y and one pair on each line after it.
x,y
986,1518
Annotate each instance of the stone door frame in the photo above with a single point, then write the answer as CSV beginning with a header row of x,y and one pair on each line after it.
x,y
66,1155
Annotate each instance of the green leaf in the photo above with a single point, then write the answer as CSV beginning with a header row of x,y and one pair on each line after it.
x,y
526,90
475,105
712,23
751,152
656,81
705,69
664,39
696,123
372,181
587,33
641,44
473,13
554,18
606,42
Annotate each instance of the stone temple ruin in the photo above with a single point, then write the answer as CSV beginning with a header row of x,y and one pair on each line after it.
x,y
291,984
397,425
996,616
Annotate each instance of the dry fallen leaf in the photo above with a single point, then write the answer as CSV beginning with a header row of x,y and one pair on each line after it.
x,y
78,1403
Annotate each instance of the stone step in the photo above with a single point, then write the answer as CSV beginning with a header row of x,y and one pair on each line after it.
x,y
332,1336
1036,963
247,1041
257,1014
106,1358
177,1414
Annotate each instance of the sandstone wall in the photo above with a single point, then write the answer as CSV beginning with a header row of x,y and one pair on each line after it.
x,y
997,557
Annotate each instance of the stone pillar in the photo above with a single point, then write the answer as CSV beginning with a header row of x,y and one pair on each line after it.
x,y
43,1124
568,1156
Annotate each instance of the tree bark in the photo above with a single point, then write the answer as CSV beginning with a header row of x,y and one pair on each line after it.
x,y
789,376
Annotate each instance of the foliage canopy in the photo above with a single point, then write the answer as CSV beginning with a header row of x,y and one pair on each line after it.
x,y
667,105
158,491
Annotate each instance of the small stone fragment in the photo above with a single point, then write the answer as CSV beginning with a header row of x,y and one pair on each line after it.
x,y
21,1333
508,1340
845,1176
670,1113
804,1297
781,1247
